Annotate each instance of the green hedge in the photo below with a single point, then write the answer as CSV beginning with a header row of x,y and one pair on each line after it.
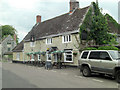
x,y
108,48
90,48
102,48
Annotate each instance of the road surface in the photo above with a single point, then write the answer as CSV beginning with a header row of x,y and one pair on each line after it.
x,y
23,76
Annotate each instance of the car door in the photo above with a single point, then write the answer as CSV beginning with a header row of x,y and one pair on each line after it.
x,y
94,60
106,64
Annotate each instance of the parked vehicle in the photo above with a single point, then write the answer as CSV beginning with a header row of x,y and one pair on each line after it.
x,y
105,62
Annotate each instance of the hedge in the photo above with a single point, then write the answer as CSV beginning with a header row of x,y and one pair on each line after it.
x,y
108,48
102,48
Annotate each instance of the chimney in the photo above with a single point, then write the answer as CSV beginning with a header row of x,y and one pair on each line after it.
x,y
15,37
73,5
38,19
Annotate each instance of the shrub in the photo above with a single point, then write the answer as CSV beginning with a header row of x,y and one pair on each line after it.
x,y
90,48
108,48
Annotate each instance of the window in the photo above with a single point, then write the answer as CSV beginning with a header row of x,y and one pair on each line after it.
x,y
68,56
104,56
49,41
115,54
49,57
32,57
66,38
55,57
8,49
94,55
84,55
32,44
39,59
18,56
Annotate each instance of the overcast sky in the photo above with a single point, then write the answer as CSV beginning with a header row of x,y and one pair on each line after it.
x,y
21,14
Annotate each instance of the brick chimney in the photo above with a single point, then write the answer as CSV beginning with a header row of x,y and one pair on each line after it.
x,y
15,37
73,5
38,19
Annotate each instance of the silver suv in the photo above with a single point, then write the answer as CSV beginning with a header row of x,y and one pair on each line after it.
x,y
100,61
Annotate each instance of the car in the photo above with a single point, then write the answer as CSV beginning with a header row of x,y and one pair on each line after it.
x,y
104,62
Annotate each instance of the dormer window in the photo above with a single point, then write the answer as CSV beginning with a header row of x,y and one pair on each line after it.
x,y
66,38
49,41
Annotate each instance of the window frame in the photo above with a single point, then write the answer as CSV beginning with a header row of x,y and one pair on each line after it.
x,y
32,57
18,56
48,42
32,44
9,49
66,38
48,58
39,57
65,56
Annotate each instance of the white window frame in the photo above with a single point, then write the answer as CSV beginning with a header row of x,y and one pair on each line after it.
x,y
68,54
66,38
32,57
18,56
32,44
47,57
39,57
48,41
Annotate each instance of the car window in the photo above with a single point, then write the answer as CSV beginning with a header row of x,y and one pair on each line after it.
x,y
94,55
104,56
84,55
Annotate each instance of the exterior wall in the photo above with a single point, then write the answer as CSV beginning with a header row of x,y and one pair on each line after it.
x,y
41,45
15,56
8,43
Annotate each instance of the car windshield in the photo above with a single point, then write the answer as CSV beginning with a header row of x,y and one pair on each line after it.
x,y
115,54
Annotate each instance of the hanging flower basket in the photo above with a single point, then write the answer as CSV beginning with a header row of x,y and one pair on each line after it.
x,y
75,53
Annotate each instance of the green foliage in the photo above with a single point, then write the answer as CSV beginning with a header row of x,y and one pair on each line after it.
x,y
98,25
9,30
102,48
108,48
86,23
112,20
90,48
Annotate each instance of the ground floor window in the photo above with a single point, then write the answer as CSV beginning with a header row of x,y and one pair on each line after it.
x,y
32,57
18,56
49,57
56,57
68,56
39,57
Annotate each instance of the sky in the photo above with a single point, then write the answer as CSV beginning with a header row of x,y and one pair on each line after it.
x,y
21,14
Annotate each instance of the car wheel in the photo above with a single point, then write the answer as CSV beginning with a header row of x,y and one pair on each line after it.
x,y
118,76
86,71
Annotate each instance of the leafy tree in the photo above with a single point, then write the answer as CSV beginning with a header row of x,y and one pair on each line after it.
x,y
9,30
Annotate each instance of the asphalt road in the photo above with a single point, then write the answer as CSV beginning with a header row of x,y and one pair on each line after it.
x,y
23,76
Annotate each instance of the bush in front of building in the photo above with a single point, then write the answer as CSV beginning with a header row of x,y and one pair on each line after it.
x,y
102,48
108,48
90,48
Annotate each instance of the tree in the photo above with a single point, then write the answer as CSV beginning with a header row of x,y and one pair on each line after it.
x,y
100,28
98,25
9,30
